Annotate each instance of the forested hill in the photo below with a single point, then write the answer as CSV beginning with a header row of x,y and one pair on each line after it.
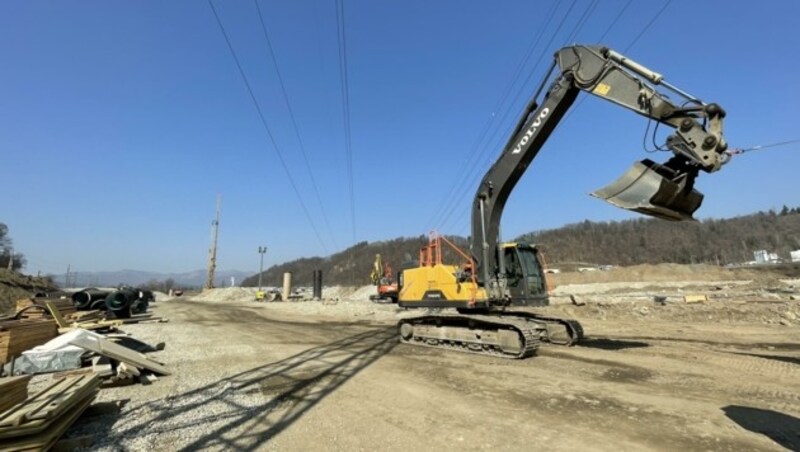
x,y
640,241
615,243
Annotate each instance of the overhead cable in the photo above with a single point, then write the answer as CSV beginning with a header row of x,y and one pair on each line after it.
x,y
266,127
341,37
471,160
294,122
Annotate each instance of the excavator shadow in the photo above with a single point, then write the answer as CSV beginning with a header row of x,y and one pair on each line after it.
x,y
781,428
244,411
604,343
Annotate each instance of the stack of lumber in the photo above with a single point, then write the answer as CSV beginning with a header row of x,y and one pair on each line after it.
x,y
38,422
64,325
64,305
13,390
16,336
84,316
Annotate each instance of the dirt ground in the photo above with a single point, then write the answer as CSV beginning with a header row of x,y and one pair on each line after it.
x,y
720,375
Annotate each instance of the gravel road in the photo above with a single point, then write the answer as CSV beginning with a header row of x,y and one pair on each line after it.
x,y
253,376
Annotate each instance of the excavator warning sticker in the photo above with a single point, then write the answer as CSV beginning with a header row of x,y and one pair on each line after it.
x,y
601,89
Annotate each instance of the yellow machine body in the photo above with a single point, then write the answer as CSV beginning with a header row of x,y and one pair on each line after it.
x,y
438,286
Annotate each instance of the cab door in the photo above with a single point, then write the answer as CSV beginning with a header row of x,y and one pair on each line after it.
x,y
525,276
516,280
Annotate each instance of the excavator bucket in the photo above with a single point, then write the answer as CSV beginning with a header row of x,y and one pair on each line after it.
x,y
649,189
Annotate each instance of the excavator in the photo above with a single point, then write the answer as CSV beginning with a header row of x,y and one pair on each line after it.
x,y
381,277
497,287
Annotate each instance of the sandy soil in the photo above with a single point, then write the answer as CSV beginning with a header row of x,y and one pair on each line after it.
x,y
721,375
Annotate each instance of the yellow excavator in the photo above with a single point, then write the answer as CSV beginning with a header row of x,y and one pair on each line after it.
x,y
495,287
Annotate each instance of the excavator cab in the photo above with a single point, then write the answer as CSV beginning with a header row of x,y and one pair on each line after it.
x,y
656,190
524,275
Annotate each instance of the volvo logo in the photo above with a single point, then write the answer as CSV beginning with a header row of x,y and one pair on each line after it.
x,y
531,130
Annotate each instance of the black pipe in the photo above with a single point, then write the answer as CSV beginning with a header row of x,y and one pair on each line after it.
x,y
148,296
86,297
120,302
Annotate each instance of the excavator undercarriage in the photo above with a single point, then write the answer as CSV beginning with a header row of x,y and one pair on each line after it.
x,y
507,334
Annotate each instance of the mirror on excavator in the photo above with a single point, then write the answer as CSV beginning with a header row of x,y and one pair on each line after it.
x,y
656,190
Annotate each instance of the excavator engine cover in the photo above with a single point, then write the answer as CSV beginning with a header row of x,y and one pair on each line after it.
x,y
649,189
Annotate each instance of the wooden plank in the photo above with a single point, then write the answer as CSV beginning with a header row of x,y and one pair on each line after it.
x,y
16,336
45,438
13,390
64,326
69,373
140,320
114,351
65,306
40,410
695,298
110,325
85,316
56,314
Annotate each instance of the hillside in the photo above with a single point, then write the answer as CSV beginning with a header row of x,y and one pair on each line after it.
x,y
349,267
14,286
630,242
642,241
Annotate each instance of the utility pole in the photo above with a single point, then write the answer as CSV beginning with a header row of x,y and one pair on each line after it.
x,y
261,251
66,277
11,260
212,252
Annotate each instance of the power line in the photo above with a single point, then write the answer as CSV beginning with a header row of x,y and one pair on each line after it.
x,y
463,188
473,154
294,121
614,22
647,27
582,21
608,30
737,151
345,88
475,173
266,127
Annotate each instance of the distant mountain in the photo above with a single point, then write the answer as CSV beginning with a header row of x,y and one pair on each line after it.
x,y
628,242
136,277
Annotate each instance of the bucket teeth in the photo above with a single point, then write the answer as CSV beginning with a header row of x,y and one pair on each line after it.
x,y
647,188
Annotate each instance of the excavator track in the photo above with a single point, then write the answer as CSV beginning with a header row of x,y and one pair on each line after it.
x,y
560,331
508,334
492,335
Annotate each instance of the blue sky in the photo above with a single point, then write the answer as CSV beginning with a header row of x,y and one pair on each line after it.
x,y
120,122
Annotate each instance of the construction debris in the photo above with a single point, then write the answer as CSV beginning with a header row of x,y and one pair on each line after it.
x,y
64,326
697,298
39,421
16,336
84,316
35,308
30,341
138,318
54,356
102,346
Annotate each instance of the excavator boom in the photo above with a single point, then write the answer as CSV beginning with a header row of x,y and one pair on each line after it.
x,y
661,190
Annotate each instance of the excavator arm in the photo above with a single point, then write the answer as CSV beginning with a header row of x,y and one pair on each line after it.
x,y
663,190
